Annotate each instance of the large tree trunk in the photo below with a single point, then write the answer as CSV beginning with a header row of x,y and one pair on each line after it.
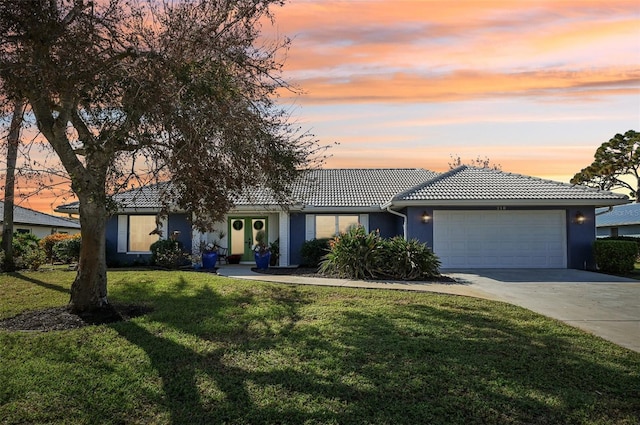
x,y
89,289
13,139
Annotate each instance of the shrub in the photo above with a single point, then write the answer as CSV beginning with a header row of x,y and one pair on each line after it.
x,y
168,253
407,260
622,238
162,245
358,255
49,241
312,251
24,242
27,252
615,256
68,250
352,255
33,259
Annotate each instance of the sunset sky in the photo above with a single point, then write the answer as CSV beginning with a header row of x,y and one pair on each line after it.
x,y
536,86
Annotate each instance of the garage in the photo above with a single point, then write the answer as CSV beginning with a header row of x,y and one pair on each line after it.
x,y
500,239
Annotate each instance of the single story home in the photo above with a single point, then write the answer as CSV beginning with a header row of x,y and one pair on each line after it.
x,y
471,217
40,224
620,220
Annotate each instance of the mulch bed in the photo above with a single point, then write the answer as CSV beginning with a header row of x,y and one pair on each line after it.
x,y
312,272
61,318
289,271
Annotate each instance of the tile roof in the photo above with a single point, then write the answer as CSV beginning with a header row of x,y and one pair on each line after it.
x,y
149,196
620,215
375,187
478,184
145,197
27,216
351,187
358,187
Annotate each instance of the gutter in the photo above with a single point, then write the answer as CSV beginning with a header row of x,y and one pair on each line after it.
x,y
404,220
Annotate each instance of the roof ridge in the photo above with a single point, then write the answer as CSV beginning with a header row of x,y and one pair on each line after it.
x,y
370,169
563,184
539,179
438,177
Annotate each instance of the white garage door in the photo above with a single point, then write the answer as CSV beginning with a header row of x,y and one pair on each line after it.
x,y
500,239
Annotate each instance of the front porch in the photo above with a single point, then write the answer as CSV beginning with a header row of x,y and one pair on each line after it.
x,y
241,230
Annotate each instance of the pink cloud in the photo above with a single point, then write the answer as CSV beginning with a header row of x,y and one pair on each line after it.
x,y
469,84
392,51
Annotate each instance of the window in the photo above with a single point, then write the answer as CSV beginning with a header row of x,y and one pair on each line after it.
x,y
139,227
328,226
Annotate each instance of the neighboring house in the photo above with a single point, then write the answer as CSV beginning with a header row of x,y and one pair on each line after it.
x,y
621,220
471,217
40,224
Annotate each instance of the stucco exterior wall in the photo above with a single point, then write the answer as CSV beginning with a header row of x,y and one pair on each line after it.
x,y
176,222
296,237
580,239
389,225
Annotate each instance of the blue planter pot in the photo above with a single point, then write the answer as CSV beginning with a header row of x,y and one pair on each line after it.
x,y
209,260
262,261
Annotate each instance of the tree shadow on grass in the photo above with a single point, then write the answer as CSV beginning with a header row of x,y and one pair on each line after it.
x,y
477,367
208,384
46,285
248,353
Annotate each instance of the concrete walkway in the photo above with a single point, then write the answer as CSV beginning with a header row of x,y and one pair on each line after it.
x,y
607,306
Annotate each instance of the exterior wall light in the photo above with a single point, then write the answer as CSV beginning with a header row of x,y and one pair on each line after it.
x,y
425,217
580,218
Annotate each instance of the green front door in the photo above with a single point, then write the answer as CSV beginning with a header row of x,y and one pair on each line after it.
x,y
242,235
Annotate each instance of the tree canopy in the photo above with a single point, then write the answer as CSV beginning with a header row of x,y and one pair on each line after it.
x,y
614,160
142,90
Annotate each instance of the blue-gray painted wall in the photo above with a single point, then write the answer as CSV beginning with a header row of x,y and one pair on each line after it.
x,y
113,258
181,223
580,239
417,228
579,236
389,225
297,233
176,222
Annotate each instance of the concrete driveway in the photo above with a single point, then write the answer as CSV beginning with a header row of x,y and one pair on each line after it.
x,y
603,305
607,306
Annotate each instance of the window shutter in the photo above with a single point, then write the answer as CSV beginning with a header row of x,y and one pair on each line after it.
x,y
164,223
123,232
310,227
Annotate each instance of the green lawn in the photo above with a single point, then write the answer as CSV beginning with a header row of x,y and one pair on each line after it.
x,y
216,350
